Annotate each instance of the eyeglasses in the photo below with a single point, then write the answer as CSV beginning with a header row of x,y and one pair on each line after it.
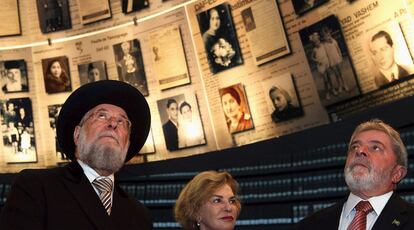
x,y
103,115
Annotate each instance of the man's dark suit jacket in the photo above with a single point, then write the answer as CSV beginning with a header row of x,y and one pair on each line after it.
x,y
62,198
397,214
381,80
170,135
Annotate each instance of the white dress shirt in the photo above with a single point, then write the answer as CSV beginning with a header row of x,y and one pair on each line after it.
x,y
348,210
391,73
91,174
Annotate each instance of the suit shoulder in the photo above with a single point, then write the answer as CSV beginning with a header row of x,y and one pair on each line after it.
x,y
321,216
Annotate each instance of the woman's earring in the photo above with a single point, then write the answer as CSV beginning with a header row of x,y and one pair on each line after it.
x,y
198,224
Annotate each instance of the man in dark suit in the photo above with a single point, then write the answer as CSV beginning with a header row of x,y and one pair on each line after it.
x,y
382,53
376,163
101,126
170,127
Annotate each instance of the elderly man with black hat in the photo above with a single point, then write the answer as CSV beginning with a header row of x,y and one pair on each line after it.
x,y
13,81
101,126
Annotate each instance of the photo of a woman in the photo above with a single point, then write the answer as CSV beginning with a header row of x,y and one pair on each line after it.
x,y
219,37
130,65
56,75
235,108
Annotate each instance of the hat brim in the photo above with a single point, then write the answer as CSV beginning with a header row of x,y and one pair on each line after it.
x,y
112,92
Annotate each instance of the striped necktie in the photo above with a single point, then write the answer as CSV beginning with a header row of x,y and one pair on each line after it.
x,y
104,187
360,220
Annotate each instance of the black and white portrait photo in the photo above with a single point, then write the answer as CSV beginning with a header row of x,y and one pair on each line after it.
x,y
14,76
91,72
53,15
18,130
129,6
130,65
388,54
329,61
303,6
53,111
56,75
282,98
182,126
219,37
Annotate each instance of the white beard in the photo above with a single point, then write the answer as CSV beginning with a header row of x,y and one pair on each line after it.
x,y
105,157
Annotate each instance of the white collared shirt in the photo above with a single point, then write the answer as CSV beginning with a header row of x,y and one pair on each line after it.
x,y
348,210
392,71
91,174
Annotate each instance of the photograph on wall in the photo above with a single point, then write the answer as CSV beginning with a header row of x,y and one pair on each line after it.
x,y
91,72
168,57
236,108
265,31
282,98
9,18
93,10
390,59
181,122
56,74
303,6
18,130
129,6
53,111
329,61
130,65
14,76
53,15
219,37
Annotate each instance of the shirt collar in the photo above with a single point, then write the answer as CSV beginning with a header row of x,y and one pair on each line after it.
x,y
90,173
392,70
377,202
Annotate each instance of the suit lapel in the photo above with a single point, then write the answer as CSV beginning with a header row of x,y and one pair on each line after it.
x,y
84,194
393,216
333,216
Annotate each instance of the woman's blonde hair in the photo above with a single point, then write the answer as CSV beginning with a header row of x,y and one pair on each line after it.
x,y
197,192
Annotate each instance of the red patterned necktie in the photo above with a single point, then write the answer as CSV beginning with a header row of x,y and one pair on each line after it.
x,y
360,220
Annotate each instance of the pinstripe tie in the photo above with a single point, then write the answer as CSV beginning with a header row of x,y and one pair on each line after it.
x,y
360,220
104,187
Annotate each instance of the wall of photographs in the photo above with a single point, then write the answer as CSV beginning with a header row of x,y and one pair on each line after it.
x,y
216,74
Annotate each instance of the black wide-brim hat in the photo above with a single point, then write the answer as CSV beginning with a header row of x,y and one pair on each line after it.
x,y
111,92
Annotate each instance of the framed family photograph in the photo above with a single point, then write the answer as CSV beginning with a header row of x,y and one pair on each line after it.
x,y
130,64
220,39
130,6
94,10
56,75
329,61
53,15
282,98
236,108
91,72
14,76
9,18
18,130
182,126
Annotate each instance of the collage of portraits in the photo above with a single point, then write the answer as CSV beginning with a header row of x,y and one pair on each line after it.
x,y
216,74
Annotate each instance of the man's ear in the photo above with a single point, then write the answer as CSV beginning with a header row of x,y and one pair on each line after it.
x,y
398,174
76,134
